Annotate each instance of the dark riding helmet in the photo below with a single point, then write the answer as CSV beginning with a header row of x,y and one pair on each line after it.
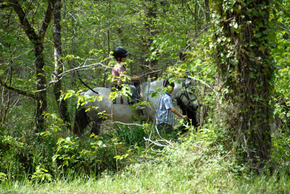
x,y
120,52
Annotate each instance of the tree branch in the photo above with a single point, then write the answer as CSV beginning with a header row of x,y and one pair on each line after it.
x,y
60,76
283,27
81,67
30,32
26,25
18,91
48,16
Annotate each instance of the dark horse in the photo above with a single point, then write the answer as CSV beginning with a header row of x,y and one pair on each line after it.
x,y
183,93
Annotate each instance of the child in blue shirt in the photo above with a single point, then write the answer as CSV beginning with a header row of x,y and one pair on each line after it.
x,y
165,110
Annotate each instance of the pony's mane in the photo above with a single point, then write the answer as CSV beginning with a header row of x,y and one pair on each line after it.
x,y
144,84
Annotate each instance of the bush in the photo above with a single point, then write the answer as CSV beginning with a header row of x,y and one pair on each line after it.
x,y
56,154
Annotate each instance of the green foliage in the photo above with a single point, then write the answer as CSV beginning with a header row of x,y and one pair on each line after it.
x,y
81,99
281,148
123,91
41,174
75,157
131,135
193,166
281,55
48,155
154,32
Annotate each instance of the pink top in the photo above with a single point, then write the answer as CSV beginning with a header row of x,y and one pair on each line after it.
x,y
117,71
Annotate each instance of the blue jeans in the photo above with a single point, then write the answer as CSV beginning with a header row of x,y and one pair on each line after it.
x,y
134,92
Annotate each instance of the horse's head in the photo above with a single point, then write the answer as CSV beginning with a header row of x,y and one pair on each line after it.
x,y
186,99
185,96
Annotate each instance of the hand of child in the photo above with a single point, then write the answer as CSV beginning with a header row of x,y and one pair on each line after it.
x,y
184,116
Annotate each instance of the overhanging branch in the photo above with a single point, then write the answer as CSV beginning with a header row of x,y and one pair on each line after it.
x,y
60,76
18,91
30,32
48,16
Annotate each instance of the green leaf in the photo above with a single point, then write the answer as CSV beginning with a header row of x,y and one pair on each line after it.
x,y
256,13
262,13
258,35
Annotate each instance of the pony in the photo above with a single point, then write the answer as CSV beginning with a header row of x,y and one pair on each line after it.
x,y
183,93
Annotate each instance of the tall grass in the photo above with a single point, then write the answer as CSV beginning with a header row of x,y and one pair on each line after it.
x,y
131,134
192,166
121,161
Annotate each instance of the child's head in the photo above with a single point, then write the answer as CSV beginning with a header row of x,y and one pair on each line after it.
x,y
119,53
167,83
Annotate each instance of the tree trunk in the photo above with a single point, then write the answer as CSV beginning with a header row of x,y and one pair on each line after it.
x,y
40,85
207,10
58,67
245,67
37,40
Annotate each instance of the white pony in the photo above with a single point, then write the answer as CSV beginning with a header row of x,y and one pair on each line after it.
x,y
183,93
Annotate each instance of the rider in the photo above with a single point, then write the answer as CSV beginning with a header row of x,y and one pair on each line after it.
x,y
119,70
165,110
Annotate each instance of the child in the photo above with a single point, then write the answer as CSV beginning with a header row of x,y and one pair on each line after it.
x,y
119,70
164,116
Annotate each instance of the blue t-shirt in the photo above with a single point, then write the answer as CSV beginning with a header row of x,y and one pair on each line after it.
x,y
164,114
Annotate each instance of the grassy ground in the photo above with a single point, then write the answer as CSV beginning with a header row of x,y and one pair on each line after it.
x,y
160,180
185,168
196,163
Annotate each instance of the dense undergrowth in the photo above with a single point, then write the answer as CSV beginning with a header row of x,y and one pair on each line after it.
x,y
120,161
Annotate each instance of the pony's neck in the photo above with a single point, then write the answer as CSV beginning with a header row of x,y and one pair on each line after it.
x,y
151,86
177,91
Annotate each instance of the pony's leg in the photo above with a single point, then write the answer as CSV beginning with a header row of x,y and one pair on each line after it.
x,y
96,127
194,121
81,121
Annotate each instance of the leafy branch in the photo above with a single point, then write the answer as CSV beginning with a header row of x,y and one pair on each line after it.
x,y
18,91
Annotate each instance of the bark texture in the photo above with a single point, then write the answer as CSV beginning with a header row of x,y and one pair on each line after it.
x,y
245,67
59,67
37,41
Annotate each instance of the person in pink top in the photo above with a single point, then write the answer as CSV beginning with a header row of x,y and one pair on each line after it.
x,y
119,71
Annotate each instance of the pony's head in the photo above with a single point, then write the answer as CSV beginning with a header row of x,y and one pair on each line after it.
x,y
186,99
